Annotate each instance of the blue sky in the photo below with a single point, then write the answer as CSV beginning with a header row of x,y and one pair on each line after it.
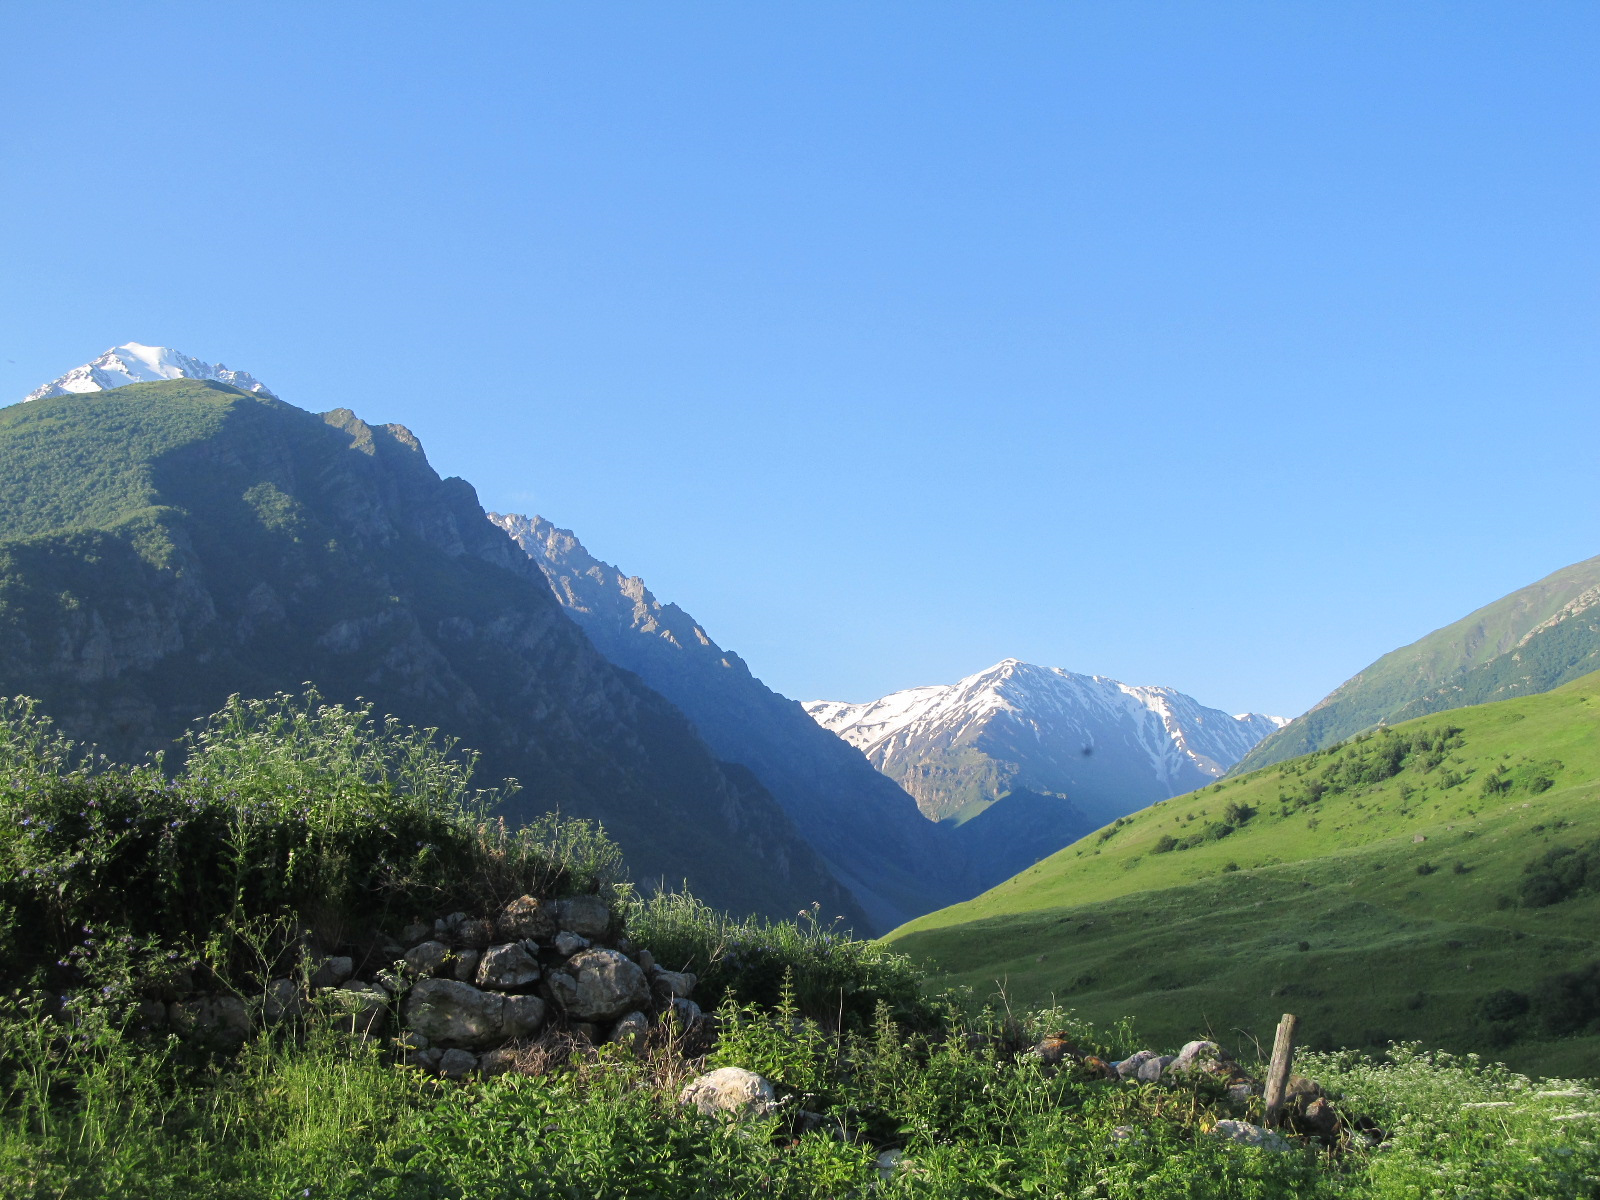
x,y
1224,346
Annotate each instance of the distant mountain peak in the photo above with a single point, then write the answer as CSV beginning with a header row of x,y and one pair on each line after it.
x,y
1166,738
134,362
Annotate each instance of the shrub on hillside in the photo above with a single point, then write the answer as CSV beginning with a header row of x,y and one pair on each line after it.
x,y
837,978
1560,873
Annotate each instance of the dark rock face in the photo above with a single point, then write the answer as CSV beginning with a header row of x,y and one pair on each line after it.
x,y
863,824
164,545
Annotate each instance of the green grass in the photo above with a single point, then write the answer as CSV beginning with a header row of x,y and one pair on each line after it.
x,y
1331,908
292,811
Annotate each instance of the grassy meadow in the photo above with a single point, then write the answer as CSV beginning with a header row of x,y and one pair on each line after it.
x,y
291,819
1375,889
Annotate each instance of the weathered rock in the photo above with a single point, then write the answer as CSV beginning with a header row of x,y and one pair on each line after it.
x,y
1055,1049
887,1163
473,934
646,961
1128,1068
599,985
457,1064
521,1016
568,943
497,1062
331,972
151,1015
281,1001
214,1022
1319,1118
730,1090
428,958
1206,1057
1242,1087
668,984
1150,1070
1245,1134
684,1014
428,1059
631,1031
411,1041
417,932
363,1008
1097,1067
586,916
451,1013
506,967
466,968
526,917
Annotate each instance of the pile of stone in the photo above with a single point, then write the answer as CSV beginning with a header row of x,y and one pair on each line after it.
x,y
466,991
1306,1106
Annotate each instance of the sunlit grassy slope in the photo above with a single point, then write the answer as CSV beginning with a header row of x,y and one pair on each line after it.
x,y
1381,908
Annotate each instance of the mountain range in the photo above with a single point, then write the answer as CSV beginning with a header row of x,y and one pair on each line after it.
x,y
164,544
1024,759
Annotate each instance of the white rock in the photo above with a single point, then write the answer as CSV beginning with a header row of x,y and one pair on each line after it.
x,y
1245,1134
730,1090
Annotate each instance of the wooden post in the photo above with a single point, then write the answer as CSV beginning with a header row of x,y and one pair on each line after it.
x,y
1278,1073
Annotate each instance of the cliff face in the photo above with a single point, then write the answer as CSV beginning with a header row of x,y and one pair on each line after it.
x,y
166,544
868,830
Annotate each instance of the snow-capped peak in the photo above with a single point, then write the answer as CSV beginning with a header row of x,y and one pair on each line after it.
x,y
134,362
1179,739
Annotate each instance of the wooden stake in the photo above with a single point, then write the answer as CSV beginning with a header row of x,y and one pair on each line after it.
x,y
1278,1073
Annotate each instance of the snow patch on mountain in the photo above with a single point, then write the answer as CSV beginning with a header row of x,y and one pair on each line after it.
x,y
1172,739
134,362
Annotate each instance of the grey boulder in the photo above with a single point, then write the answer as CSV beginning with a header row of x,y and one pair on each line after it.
x,y
215,1022
451,1013
506,966
600,985
586,916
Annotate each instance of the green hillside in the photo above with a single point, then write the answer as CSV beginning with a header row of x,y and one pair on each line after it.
x,y
165,545
1378,889
1535,639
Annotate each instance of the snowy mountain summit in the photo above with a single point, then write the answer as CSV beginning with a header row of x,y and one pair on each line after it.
x,y
133,362
1109,747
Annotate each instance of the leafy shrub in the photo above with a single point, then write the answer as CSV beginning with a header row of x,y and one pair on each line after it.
x,y
836,978
1504,1004
1569,1002
285,810
1561,873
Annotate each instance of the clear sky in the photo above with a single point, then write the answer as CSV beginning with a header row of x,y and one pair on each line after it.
x,y
1225,346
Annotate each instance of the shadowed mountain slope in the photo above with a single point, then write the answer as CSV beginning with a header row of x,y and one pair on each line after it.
x,y
866,828
165,544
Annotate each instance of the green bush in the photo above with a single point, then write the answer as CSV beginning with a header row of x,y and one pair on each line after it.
x,y
837,979
1561,873
286,812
